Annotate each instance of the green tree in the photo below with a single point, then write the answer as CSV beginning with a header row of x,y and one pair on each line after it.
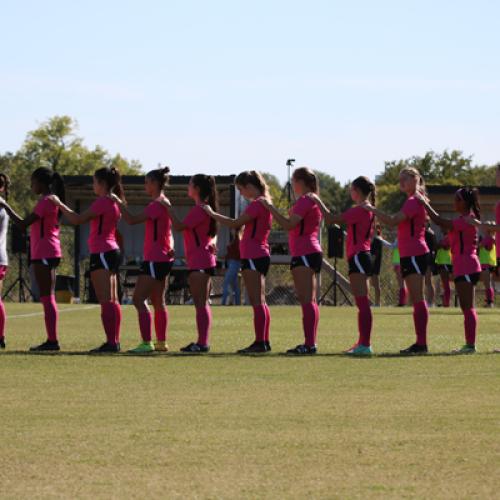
x,y
437,168
55,144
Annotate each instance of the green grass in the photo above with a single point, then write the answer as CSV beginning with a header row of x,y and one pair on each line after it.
x,y
223,426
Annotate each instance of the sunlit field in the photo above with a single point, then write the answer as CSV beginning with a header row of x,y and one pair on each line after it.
x,y
269,426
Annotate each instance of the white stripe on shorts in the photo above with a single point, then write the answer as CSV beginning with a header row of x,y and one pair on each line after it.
x,y
467,278
358,264
103,260
252,265
304,260
45,262
152,270
415,265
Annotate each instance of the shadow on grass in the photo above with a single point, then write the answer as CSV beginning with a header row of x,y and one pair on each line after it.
x,y
159,355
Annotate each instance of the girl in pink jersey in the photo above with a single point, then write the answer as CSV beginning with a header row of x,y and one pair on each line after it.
x,y
360,225
45,247
199,232
157,264
413,249
254,251
103,215
303,225
4,258
466,266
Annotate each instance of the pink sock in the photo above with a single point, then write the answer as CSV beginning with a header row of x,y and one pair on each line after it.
x,y
118,321
51,316
402,296
268,322
420,319
470,325
316,322
446,294
145,325
259,322
109,321
308,323
2,319
161,323
203,322
490,295
364,320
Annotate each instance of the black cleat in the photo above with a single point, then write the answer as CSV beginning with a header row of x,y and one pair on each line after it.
x,y
2,343
105,348
268,346
195,348
257,347
48,345
415,349
302,350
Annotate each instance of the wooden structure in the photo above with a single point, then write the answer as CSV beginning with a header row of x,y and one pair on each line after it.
x,y
80,194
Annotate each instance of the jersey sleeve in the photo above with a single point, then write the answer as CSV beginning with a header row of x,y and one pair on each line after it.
x,y
41,207
195,217
411,208
98,206
302,207
253,209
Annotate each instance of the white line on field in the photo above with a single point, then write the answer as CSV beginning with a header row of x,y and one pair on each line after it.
x,y
29,315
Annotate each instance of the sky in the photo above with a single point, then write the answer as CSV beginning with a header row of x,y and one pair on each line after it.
x,y
224,86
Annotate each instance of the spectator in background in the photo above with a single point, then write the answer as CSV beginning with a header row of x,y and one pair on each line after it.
x,y
233,265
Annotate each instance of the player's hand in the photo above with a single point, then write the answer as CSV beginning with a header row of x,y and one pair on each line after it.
x,y
55,200
208,209
163,200
265,203
115,198
367,206
421,198
313,196
472,221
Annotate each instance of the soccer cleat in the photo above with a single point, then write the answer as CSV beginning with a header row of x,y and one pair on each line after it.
x,y
348,351
256,348
415,349
268,346
161,346
195,348
143,348
465,349
359,350
105,348
2,343
302,350
48,345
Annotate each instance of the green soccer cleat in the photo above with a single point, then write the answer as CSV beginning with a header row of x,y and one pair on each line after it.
x,y
360,350
466,349
143,348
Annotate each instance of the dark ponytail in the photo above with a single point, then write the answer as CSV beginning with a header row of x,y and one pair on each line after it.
x,y
113,180
471,198
5,184
52,180
367,187
208,195
159,175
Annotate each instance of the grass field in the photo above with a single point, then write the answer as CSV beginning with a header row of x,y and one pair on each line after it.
x,y
224,426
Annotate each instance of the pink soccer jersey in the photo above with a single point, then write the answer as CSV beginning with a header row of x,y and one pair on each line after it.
x,y
44,232
199,246
303,238
158,234
463,239
254,243
411,232
359,230
103,226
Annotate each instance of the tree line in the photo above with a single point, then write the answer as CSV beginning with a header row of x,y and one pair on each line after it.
x,y
56,144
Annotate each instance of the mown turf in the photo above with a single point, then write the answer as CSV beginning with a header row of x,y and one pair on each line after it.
x,y
224,426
